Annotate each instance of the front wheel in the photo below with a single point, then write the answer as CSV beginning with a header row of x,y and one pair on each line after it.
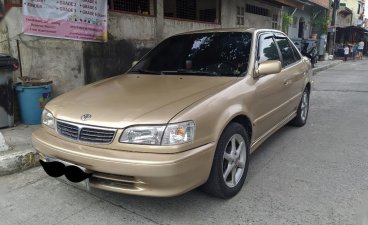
x,y
302,112
230,163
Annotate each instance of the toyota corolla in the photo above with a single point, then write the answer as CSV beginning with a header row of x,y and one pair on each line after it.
x,y
188,114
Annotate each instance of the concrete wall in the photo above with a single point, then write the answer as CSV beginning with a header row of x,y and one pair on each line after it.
x,y
53,59
130,37
258,21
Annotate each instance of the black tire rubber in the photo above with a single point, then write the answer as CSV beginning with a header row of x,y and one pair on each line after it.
x,y
298,120
215,184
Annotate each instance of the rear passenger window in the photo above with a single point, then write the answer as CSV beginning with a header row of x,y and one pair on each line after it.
x,y
267,49
287,52
296,53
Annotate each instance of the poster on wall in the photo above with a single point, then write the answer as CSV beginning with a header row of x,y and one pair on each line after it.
x,y
84,20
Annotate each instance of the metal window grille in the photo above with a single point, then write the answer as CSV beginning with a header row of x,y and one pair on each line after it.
x,y
203,10
257,10
144,7
239,15
186,9
275,23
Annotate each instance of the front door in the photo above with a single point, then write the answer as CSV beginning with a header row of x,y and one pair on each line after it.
x,y
271,93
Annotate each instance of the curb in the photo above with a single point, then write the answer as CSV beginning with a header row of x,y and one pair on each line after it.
x,y
325,67
13,161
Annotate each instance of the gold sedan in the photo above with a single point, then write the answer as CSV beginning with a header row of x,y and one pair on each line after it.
x,y
188,114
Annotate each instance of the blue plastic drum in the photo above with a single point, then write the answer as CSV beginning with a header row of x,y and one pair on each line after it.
x,y
32,100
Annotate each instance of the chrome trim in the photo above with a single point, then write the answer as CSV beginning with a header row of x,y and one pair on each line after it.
x,y
80,127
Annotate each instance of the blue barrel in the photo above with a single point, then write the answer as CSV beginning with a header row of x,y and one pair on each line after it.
x,y
32,100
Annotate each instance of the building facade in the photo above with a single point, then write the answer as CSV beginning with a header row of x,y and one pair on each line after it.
x,y
309,19
350,13
134,27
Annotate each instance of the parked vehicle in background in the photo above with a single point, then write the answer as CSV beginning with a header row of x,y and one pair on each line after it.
x,y
188,114
309,49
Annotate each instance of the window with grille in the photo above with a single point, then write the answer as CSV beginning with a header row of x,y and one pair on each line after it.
x,y
275,22
257,10
197,10
142,7
239,15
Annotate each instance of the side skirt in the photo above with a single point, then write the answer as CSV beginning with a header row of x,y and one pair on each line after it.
x,y
261,139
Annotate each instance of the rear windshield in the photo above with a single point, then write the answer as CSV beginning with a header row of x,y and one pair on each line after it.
x,y
209,54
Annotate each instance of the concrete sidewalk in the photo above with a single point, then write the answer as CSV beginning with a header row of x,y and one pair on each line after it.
x,y
17,153
324,65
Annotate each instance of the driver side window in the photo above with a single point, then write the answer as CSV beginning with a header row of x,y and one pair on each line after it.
x,y
267,49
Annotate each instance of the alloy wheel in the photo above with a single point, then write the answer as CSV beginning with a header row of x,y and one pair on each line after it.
x,y
234,160
305,106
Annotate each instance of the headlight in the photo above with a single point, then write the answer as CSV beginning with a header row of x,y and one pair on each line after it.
x,y
148,135
48,119
172,134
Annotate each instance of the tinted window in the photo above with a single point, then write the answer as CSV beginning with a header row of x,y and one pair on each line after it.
x,y
287,51
267,49
296,52
224,54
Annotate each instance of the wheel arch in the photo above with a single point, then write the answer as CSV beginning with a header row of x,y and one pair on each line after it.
x,y
245,122
308,86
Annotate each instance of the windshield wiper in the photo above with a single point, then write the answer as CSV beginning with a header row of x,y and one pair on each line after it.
x,y
142,71
190,72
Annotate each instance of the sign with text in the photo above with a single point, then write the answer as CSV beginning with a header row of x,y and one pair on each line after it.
x,y
84,20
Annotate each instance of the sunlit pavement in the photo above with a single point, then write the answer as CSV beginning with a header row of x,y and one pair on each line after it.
x,y
311,175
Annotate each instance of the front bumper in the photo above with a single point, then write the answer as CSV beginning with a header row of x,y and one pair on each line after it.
x,y
137,173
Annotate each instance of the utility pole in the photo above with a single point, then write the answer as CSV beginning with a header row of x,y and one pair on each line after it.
x,y
332,35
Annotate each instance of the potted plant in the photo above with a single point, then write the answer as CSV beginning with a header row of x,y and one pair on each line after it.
x,y
319,25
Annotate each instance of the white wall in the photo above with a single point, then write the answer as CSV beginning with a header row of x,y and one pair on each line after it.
x,y
293,31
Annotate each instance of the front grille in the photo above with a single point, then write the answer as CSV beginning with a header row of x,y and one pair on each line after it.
x,y
96,135
68,130
85,133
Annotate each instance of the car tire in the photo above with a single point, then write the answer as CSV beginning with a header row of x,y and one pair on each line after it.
x,y
303,109
230,163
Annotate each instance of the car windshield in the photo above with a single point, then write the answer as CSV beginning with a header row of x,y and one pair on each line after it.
x,y
202,54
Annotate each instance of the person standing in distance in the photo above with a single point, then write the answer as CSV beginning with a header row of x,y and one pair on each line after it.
x,y
360,49
346,52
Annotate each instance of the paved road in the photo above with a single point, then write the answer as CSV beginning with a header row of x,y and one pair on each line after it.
x,y
317,174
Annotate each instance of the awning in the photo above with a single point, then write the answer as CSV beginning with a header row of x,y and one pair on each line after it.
x,y
290,3
323,3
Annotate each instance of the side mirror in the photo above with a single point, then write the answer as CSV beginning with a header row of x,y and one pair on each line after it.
x,y
268,67
134,63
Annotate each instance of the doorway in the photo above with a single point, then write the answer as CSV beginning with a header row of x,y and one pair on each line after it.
x,y
301,27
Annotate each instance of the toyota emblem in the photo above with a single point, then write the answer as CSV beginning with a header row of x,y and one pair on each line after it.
x,y
86,117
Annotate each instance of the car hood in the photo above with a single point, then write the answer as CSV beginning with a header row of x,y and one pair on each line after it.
x,y
135,99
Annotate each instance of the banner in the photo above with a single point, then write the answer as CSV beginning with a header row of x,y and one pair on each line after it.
x,y
84,20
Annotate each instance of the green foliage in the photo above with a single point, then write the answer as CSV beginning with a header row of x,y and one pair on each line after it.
x,y
320,23
287,20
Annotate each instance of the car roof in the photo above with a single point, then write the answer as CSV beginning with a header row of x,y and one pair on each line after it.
x,y
219,30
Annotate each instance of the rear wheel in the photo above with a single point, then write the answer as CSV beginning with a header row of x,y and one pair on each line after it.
x,y
230,163
302,112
